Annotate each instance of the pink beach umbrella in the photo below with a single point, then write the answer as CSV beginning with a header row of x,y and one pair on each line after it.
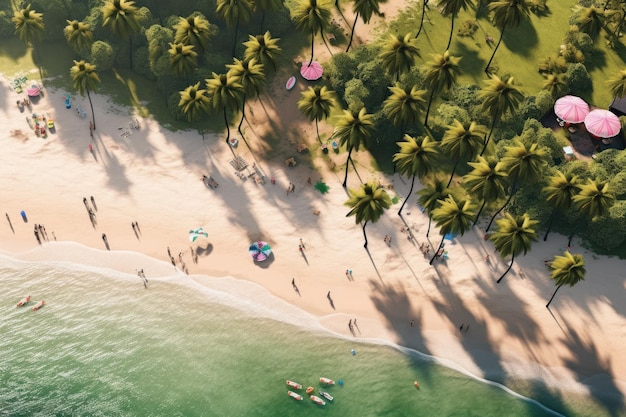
x,y
33,91
312,71
602,123
571,109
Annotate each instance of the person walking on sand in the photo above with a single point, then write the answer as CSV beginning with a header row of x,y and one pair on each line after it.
x,y
328,295
169,253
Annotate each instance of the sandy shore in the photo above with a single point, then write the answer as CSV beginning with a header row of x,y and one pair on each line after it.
x,y
154,177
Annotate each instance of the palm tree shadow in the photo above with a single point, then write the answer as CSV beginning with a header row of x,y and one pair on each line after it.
x,y
557,322
374,264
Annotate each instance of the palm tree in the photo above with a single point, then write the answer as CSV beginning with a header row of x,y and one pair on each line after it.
x,y
618,84
461,142
399,54
267,6
364,9
225,92
183,59
593,201
194,102
367,204
424,7
506,14
79,35
441,74
417,157
354,129
122,17
193,30
589,20
567,269
559,193
405,105
252,78
524,164
312,16
430,196
453,217
316,103
29,27
451,8
85,79
264,49
514,236
487,181
233,12
499,97
556,84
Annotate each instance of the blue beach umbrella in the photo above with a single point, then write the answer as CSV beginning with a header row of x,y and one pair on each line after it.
x,y
196,233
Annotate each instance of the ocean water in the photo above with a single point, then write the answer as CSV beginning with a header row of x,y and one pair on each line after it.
x,y
105,346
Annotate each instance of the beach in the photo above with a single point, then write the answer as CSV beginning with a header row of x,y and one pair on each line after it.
x,y
154,177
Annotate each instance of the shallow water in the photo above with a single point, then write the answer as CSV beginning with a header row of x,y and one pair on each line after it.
x,y
105,346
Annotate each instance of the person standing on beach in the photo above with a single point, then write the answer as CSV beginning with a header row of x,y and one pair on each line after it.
x,y
93,202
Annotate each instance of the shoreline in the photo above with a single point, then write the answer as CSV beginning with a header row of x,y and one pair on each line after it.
x,y
154,177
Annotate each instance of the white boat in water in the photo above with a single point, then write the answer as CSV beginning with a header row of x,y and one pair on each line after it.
x,y
327,381
326,395
294,395
294,384
317,400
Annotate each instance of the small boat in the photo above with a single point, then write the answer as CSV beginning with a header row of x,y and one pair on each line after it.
x,y
290,83
23,301
327,381
294,384
309,390
39,305
294,395
317,400
326,395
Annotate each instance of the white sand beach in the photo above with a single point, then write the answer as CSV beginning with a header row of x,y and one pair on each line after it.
x,y
154,177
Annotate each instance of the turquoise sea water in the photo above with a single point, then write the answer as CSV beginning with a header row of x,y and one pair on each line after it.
x,y
105,346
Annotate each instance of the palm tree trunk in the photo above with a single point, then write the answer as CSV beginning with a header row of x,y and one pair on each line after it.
x,y
312,41
130,50
424,2
356,18
494,52
345,180
243,114
451,32
430,220
93,115
262,21
365,235
452,174
551,298
235,36
228,132
317,130
407,197
430,101
513,191
479,211
493,125
552,217
507,270
437,250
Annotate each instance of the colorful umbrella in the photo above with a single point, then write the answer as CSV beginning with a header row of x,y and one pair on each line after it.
x,y
196,233
260,250
571,109
321,187
312,71
602,123
33,91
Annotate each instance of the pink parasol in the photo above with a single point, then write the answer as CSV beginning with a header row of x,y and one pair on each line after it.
x,y
312,71
602,123
571,109
33,91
